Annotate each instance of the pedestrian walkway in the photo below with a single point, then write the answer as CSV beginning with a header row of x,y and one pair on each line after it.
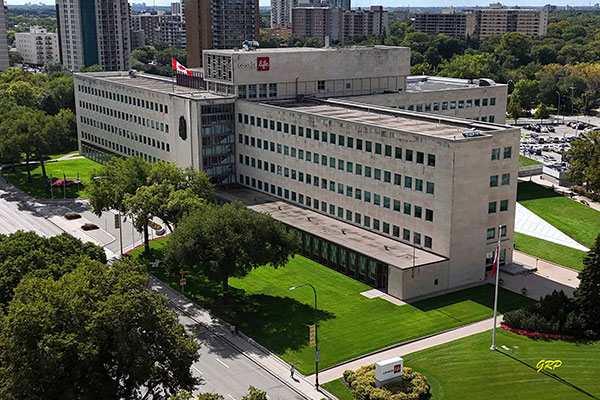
x,y
245,345
334,373
528,223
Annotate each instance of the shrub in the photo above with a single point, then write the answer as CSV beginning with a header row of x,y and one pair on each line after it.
x,y
72,215
413,385
89,227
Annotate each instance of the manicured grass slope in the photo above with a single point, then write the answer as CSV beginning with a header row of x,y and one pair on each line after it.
x,y
338,389
350,324
70,168
580,222
553,252
468,366
526,161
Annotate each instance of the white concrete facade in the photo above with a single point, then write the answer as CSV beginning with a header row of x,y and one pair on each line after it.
x,y
3,42
37,46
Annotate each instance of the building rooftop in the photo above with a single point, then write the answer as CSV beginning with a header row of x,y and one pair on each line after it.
x,y
406,121
426,83
301,49
381,248
155,83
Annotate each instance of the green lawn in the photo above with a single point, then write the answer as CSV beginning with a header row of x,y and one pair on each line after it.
x,y
70,168
553,252
468,366
350,324
338,389
580,222
526,161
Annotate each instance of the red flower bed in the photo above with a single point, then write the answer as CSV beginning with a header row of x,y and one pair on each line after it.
x,y
71,216
89,227
537,335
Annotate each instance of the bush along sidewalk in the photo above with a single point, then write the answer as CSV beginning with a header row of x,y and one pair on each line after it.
x,y
361,382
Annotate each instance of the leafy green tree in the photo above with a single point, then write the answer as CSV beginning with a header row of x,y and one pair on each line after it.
x,y
432,57
469,66
255,394
24,93
94,333
584,158
587,295
515,47
545,54
229,240
542,112
185,395
22,253
91,68
514,109
526,92
59,95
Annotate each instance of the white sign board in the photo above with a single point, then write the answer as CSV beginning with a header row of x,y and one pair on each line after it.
x,y
389,369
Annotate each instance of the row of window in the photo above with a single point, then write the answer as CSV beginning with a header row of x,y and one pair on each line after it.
x,y
257,91
339,212
496,153
331,138
450,105
158,144
491,232
148,123
134,101
342,189
492,206
119,148
494,180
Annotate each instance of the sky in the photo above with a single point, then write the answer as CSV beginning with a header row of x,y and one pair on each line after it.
x,y
389,3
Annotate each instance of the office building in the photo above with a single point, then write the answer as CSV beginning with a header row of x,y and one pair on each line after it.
x,y
157,28
411,203
3,42
94,32
219,24
37,46
483,22
281,13
178,8
338,23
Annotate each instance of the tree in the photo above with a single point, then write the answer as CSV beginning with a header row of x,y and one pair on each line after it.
x,y
514,109
185,395
229,240
587,295
91,68
585,161
526,92
541,112
94,333
469,66
22,253
255,394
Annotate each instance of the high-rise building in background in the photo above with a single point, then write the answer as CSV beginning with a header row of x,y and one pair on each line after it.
x,y
177,8
3,42
219,24
38,46
482,22
281,13
94,32
338,23
159,28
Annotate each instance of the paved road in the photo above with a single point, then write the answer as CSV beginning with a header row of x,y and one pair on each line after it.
x,y
225,370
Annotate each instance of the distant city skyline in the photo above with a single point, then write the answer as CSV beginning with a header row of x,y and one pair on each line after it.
x,y
385,3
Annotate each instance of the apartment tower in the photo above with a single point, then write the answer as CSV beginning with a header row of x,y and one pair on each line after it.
x,y
219,24
3,43
94,32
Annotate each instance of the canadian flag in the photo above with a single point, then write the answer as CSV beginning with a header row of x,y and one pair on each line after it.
x,y
179,67
496,254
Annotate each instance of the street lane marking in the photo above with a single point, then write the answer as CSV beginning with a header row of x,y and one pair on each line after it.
x,y
197,370
230,396
227,366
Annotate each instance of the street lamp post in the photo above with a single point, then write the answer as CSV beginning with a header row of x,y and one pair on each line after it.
x,y
558,111
316,333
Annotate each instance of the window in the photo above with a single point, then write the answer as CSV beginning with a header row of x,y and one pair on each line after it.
x,y
491,233
494,181
397,205
417,238
387,176
407,208
408,155
378,148
496,154
492,101
349,166
418,212
341,165
418,185
484,102
350,142
406,234
359,145
396,231
398,153
491,207
349,191
420,157
376,199
503,205
461,104
431,160
386,202
358,169
502,230
368,146
358,194
377,174
507,152
505,179
375,224
367,196
398,179
408,182
388,150
453,105
340,187
321,86
341,140
430,188
367,171
436,106
445,105
428,245
428,215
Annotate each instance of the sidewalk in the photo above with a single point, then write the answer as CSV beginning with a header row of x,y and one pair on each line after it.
x,y
245,345
407,348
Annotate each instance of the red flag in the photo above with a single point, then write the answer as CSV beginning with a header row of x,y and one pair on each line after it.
x,y
179,67
497,254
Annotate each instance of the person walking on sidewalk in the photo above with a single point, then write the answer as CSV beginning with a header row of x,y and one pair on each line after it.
x,y
232,330
292,372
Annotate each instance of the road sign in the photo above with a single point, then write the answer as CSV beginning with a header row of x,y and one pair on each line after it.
x,y
312,336
182,281
117,221
317,355
181,272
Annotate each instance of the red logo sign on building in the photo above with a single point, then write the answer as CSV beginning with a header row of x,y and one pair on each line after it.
x,y
397,368
262,63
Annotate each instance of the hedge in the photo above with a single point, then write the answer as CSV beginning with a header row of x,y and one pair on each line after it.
x,y
413,385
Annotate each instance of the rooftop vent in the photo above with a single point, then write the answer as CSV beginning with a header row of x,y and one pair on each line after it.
x,y
132,73
472,132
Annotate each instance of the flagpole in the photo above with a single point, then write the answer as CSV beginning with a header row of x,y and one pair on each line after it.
x,y
496,268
